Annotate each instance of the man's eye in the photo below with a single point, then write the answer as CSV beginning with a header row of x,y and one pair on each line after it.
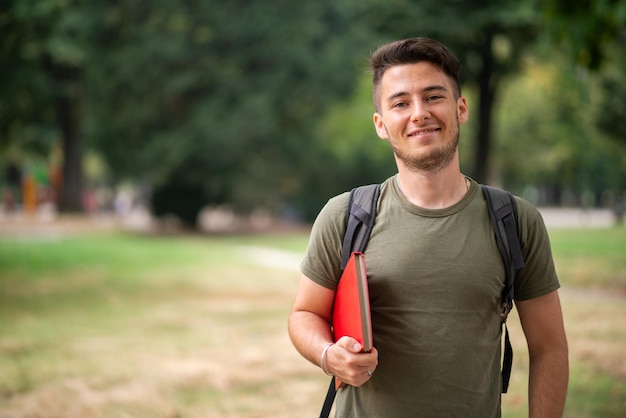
x,y
432,98
400,104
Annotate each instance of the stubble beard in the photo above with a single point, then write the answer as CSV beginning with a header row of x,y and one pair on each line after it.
x,y
433,162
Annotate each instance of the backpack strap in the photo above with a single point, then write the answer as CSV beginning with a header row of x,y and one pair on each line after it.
x,y
360,217
361,214
329,400
503,214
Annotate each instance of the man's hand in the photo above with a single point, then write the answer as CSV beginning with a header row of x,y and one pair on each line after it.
x,y
348,363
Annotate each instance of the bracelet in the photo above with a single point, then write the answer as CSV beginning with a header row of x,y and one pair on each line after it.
x,y
323,359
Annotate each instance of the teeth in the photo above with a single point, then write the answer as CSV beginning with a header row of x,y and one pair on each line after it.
x,y
424,132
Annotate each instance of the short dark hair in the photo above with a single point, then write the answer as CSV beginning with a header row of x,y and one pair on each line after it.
x,y
411,51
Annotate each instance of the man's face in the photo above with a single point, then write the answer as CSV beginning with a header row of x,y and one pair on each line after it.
x,y
420,116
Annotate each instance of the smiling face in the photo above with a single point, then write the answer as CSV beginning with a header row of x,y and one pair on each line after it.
x,y
419,115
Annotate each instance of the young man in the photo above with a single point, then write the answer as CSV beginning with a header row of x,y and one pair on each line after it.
x,y
434,270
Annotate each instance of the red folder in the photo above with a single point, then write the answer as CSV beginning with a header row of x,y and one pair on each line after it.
x,y
351,309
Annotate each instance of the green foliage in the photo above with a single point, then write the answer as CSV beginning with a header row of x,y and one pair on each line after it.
x,y
183,200
547,135
611,111
586,28
220,95
250,103
45,40
41,108
350,146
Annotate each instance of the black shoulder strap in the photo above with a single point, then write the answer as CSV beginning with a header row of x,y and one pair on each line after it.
x,y
503,214
361,214
360,217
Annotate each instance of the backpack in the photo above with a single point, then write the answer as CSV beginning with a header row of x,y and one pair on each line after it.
x,y
361,215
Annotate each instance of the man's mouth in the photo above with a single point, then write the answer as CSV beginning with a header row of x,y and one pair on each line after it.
x,y
423,132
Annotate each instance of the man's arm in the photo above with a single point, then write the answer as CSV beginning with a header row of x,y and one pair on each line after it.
x,y
309,329
542,321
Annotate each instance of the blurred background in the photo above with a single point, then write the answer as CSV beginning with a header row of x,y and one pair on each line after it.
x,y
264,107
161,163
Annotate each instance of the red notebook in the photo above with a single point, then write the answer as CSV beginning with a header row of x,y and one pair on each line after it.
x,y
351,309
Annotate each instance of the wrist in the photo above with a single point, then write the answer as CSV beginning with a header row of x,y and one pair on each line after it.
x,y
323,359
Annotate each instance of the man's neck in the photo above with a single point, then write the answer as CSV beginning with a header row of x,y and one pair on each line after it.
x,y
437,190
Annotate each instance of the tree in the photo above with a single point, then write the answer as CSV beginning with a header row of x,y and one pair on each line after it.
x,y
593,34
217,98
547,135
612,109
43,53
587,29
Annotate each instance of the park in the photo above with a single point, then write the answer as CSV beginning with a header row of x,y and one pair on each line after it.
x,y
161,165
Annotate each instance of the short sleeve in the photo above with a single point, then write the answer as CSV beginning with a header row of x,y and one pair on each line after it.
x,y
538,276
322,260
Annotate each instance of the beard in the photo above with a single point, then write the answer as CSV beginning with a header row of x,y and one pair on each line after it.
x,y
433,162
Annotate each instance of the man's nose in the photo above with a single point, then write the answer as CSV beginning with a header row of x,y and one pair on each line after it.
x,y
419,113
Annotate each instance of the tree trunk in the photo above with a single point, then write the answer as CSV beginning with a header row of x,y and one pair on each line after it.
x,y
69,114
487,85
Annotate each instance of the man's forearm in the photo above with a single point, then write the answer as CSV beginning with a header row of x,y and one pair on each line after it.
x,y
309,333
547,389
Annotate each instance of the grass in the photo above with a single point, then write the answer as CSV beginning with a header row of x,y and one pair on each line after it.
x,y
119,325
591,258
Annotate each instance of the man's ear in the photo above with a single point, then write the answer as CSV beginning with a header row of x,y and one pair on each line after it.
x,y
380,127
462,111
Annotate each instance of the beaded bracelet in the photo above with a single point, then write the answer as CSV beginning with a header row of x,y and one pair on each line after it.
x,y
323,359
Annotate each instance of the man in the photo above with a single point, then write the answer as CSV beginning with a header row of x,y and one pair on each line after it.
x,y
434,270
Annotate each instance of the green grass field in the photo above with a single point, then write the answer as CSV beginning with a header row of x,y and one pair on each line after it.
x,y
121,325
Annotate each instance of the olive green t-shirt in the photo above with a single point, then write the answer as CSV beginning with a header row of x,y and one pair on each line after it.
x,y
435,282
